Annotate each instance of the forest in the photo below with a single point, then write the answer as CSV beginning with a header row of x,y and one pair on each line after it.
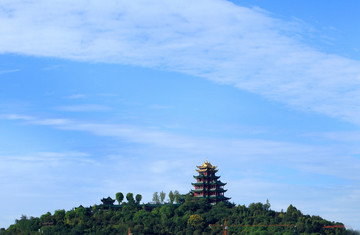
x,y
181,214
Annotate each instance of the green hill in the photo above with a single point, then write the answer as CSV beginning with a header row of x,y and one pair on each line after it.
x,y
193,216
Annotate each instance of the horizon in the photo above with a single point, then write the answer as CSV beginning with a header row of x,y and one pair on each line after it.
x,y
99,98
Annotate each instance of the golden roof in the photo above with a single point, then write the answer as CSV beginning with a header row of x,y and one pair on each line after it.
x,y
206,166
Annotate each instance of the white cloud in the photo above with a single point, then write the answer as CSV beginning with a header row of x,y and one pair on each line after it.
x,y
83,108
51,122
314,159
16,117
77,96
214,39
343,136
9,71
159,106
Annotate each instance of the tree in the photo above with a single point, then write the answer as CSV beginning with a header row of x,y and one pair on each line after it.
x,y
267,205
156,197
119,197
171,197
292,214
130,198
162,196
138,198
196,221
177,196
59,215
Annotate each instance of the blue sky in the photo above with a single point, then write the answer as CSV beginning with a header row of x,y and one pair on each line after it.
x,y
97,98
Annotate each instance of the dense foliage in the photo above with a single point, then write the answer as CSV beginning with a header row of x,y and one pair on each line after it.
x,y
191,217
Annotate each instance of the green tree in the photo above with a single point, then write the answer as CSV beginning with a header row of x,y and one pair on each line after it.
x,y
138,198
177,196
156,198
130,198
59,216
292,214
162,196
119,197
267,205
196,221
171,197
46,218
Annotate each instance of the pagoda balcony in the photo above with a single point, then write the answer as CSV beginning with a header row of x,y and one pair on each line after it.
x,y
204,183
219,190
219,196
199,190
219,183
206,177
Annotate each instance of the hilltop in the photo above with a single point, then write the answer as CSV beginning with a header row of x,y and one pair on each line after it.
x,y
191,215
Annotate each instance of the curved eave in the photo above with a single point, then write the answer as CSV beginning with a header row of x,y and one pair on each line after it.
x,y
109,199
207,170
221,198
206,166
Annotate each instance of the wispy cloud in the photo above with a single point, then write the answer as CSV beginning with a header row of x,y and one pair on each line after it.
x,y
159,106
83,108
44,157
343,136
214,39
16,117
9,71
77,96
324,160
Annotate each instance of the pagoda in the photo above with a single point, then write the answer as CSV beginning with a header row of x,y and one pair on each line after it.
x,y
208,184
107,202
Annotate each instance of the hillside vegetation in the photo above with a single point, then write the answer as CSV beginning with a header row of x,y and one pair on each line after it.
x,y
192,216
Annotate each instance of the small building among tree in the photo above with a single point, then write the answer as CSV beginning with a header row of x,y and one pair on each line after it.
x,y
108,202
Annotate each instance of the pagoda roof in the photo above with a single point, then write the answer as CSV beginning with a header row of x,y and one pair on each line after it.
x,y
108,200
214,198
207,170
206,166
220,197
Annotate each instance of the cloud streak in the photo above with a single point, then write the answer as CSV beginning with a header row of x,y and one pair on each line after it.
x,y
8,71
217,40
83,108
323,160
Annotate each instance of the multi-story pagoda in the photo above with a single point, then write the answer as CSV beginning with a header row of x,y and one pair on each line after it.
x,y
208,184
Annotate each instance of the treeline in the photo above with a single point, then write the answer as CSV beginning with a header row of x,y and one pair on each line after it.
x,y
193,216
